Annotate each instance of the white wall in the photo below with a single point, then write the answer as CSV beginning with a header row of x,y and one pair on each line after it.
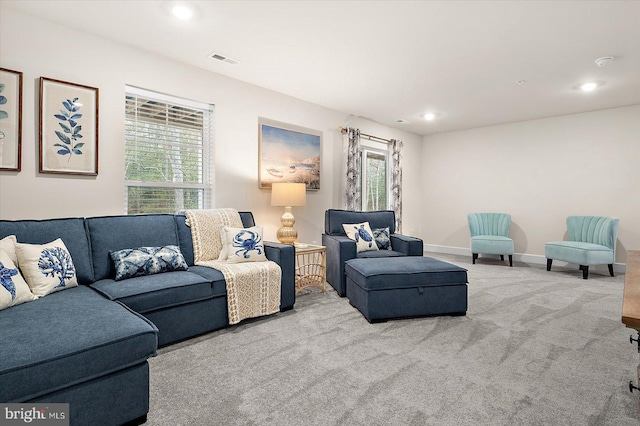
x,y
539,171
32,46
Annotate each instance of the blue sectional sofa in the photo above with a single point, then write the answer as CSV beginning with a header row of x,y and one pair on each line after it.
x,y
88,345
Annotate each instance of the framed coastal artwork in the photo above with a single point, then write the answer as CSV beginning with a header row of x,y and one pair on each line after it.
x,y
10,119
68,128
288,153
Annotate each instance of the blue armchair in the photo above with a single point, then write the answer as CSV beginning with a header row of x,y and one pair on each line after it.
x,y
490,235
592,241
340,248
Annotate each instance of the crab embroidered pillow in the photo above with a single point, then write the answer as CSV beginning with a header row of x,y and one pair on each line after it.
x,y
13,288
46,267
141,261
362,235
243,245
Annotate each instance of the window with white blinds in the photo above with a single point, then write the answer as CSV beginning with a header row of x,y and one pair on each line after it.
x,y
168,150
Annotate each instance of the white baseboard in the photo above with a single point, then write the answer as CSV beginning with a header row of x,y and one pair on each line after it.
x,y
618,268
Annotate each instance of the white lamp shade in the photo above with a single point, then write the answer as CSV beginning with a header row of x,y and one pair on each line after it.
x,y
288,194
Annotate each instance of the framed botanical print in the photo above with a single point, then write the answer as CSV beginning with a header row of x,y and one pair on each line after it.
x,y
288,153
10,119
68,128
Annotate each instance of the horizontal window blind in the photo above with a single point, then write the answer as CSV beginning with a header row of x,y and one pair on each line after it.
x,y
168,148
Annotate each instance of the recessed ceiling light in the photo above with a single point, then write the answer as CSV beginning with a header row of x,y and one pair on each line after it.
x,y
604,61
429,116
182,11
588,87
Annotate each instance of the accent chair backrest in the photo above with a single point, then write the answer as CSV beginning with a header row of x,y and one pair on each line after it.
x,y
497,224
594,229
334,219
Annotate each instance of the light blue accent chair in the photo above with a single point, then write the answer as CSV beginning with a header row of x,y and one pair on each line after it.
x,y
490,235
592,241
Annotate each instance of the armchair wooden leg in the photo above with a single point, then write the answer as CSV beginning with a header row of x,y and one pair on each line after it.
x,y
610,269
549,264
502,257
585,271
510,260
474,256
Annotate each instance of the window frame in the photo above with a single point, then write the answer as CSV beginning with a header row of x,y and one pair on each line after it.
x,y
206,196
363,174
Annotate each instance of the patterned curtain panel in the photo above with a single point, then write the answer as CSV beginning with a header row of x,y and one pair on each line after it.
x,y
395,146
353,188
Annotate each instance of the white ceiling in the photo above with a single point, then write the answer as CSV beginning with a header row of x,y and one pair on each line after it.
x,y
389,60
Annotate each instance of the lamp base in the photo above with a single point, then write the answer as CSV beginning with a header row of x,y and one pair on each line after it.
x,y
287,234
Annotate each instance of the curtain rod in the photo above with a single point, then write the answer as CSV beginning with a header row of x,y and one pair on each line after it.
x,y
342,129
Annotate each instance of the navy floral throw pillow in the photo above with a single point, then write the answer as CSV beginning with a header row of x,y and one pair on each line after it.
x,y
140,261
383,238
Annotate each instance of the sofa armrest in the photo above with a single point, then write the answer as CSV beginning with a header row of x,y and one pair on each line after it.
x,y
411,246
339,250
285,256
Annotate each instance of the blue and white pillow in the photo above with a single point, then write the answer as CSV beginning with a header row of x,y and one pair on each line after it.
x,y
383,238
362,235
242,245
141,261
46,267
13,288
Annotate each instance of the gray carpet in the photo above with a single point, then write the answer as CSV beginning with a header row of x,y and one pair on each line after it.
x,y
535,348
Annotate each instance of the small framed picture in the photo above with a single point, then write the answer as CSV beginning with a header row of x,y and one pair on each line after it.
x,y
10,119
68,128
288,153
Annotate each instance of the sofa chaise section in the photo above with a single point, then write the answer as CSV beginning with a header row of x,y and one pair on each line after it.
x,y
77,347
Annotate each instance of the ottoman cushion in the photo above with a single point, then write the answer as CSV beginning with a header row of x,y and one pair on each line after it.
x,y
403,272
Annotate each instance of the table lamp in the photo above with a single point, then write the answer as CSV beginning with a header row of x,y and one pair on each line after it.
x,y
288,195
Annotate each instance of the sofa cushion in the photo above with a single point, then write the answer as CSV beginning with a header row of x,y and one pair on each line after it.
x,y
84,336
112,233
218,284
71,231
47,267
141,261
379,253
333,220
152,292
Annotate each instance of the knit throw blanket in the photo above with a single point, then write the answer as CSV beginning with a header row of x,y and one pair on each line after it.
x,y
253,288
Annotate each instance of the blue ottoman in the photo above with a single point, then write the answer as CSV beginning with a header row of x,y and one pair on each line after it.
x,y
405,287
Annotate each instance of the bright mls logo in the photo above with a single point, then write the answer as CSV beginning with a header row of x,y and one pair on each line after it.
x,y
34,414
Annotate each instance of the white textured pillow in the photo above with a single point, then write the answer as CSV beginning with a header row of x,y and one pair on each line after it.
x,y
362,235
8,244
243,245
46,267
13,288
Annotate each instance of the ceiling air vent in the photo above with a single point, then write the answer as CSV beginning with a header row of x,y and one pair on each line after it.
x,y
223,58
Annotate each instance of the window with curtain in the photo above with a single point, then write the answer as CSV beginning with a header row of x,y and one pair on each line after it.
x,y
168,151
375,179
